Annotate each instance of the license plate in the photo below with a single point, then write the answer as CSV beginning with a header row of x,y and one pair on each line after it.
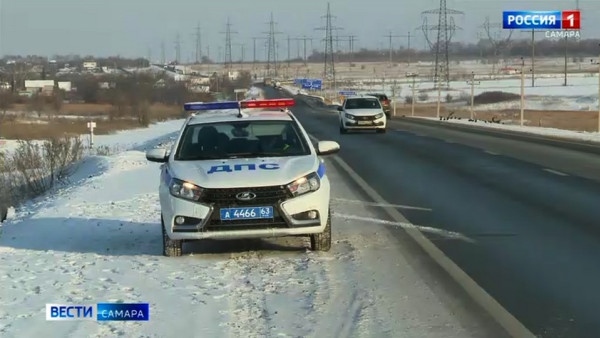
x,y
246,213
364,122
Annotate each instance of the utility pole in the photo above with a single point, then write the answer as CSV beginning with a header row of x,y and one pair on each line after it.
x,y
163,57
408,36
289,51
473,83
522,90
304,39
533,32
439,99
390,36
412,101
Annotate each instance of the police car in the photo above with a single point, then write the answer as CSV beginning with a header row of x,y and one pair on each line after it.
x,y
362,112
243,170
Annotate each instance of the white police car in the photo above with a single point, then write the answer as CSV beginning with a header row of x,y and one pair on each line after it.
x,y
241,174
362,112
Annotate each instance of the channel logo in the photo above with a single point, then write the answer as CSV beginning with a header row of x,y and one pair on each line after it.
x,y
99,312
570,20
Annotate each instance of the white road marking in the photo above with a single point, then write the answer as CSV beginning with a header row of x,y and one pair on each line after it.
x,y
405,225
511,324
400,206
555,172
491,152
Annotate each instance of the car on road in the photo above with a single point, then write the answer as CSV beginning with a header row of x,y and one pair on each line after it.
x,y
362,112
243,170
385,103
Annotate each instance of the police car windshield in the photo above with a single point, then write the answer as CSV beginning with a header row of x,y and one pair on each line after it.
x,y
241,139
365,103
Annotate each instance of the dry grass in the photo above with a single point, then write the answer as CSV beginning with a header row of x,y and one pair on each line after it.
x,y
568,120
22,129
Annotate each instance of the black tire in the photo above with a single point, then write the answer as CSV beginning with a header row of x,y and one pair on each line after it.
x,y
171,247
3,213
343,130
322,241
381,131
388,116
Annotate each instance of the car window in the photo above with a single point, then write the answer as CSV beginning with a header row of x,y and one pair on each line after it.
x,y
362,103
241,139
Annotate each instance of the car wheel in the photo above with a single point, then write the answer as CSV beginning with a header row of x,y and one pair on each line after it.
x,y
381,131
388,116
3,213
343,130
322,241
171,247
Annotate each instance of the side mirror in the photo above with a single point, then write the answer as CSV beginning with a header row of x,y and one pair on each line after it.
x,y
159,155
340,108
327,147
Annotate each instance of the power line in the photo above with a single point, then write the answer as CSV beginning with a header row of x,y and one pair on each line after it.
x,y
407,36
271,48
329,67
304,39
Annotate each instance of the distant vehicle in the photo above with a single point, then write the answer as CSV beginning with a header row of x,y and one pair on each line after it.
x,y
362,112
385,103
243,175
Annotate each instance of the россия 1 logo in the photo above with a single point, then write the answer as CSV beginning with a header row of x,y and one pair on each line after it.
x,y
559,23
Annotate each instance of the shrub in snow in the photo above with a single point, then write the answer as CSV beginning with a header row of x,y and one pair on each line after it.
x,y
495,97
408,99
36,168
423,97
448,97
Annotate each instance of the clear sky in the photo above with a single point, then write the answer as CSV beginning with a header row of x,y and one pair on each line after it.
x,y
136,27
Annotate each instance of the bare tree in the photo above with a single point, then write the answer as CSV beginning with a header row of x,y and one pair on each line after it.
x,y
57,101
7,100
37,104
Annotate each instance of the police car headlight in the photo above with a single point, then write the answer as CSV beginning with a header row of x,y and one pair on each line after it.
x,y
378,116
350,117
185,190
303,185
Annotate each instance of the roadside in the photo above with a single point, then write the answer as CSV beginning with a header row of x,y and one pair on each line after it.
x,y
75,246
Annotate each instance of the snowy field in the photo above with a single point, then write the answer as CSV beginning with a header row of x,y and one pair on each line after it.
x,y
98,239
549,92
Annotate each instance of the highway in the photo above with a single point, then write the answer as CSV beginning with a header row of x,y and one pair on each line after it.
x,y
531,210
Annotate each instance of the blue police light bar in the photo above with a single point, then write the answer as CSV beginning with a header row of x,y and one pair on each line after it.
x,y
211,106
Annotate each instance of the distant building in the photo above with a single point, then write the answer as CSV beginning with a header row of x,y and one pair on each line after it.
x,y
65,85
90,65
37,86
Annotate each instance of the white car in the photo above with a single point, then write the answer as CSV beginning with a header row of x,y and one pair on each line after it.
x,y
362,112
243,174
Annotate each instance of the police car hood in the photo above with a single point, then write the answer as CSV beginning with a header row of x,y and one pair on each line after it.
x,y
363,112
244,172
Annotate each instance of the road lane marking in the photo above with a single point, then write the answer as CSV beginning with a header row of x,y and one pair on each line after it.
x,y
400,206
405,225
555,172
511,324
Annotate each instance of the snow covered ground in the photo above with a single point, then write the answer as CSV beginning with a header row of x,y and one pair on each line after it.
x,y
99,240
568,134
549,92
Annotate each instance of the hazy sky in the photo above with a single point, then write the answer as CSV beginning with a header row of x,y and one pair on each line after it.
x,y
135,27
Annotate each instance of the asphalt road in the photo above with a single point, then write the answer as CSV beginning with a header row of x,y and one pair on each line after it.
x,y
532,211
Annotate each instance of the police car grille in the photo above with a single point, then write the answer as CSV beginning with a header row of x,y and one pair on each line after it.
x,y
366,118
216,224
265,196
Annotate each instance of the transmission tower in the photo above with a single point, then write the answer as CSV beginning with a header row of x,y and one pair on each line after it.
x,y
445,29
271,48
177,48
228,58
329,69
498,42
198,36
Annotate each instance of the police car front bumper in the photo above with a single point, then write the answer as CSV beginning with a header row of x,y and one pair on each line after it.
x,y
291,217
